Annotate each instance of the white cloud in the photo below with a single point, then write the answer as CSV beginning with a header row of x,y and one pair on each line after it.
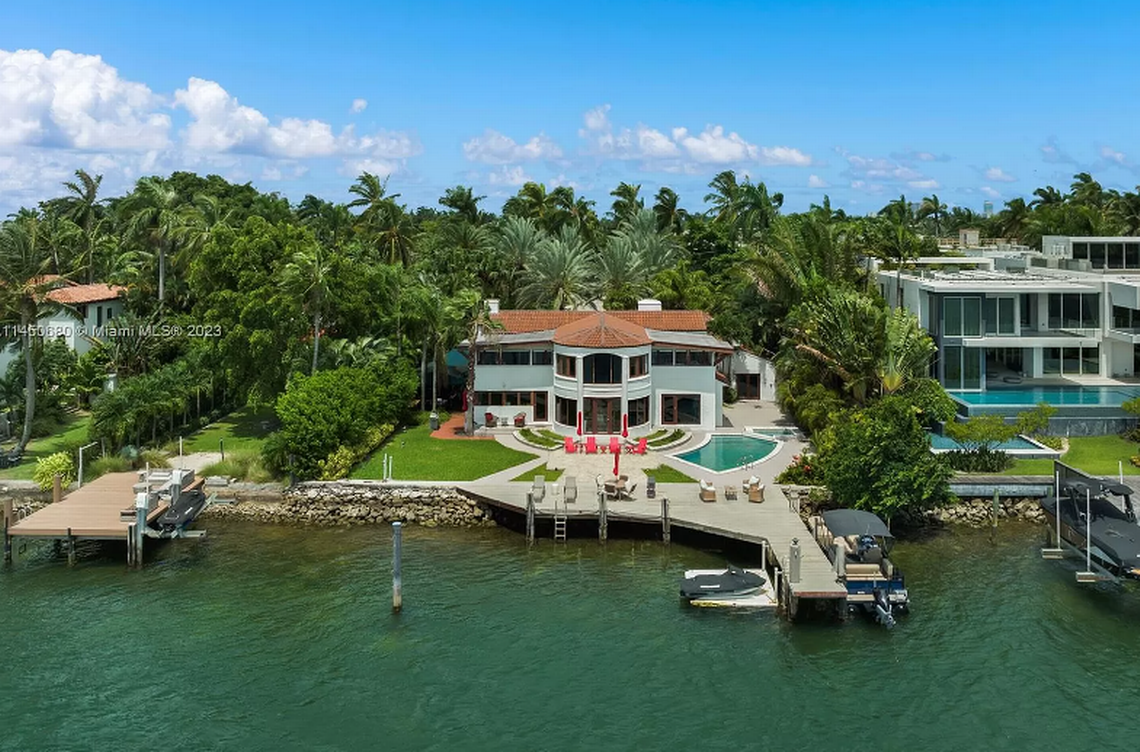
x,y
990,192
997,175
495,148
508,176
879,170
284,170
562,180
815,181
914,155
75,101
678,150
1052,153
358,105
924,185
379,167
1113,156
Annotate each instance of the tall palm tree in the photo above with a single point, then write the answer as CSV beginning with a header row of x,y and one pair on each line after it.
x,y
82,205
23,290
463,202
932,207
371,194
655,250
621,276
626,202
517,243
757,210
1047,196
152,215
478,323
1086,191
670,216
329,222
308,275
725,198
1013,220
560,274
395,233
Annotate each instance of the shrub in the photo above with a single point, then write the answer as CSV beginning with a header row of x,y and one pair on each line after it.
x,y
669,438
106,464
731,396
981,432
338,464
1035,422
243,464
540,439
978,461
154,458
804,471
48,467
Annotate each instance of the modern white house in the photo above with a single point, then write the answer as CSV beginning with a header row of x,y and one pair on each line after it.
x,y
604,371
1070,311
82,312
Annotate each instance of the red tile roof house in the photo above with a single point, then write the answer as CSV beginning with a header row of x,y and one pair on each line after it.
x,y
638,370
83,311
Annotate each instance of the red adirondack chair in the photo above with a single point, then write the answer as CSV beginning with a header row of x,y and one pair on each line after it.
x,y
591,445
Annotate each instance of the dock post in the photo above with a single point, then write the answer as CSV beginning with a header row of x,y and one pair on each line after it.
x,y
397,567
529,518
7,525
130,545
840,562
70,547
603,518
997,506
794,561
665,518
222,448
140,526
56,488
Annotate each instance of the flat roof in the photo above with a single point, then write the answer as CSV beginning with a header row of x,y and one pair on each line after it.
x,y
998,280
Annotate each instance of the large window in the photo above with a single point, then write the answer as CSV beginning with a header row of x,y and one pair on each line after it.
x,y
639,411
542,357
516,357
566,411
1125,318
1071,361
602,368
962,367
998,315
1072,310
962,317
490,358
681,409
662,357
513,399
638,366
567,365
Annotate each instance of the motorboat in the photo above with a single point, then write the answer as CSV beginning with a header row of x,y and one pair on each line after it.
x,y
857,543
731,583
1105,532
183,509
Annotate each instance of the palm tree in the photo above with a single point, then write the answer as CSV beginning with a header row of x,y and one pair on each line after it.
x,y
932,207
1013,220
655,250
725,198
670,216
532,201
461,200
372,194
308,276
900,246
152,215
517,243
23,290
621,277
1086,191
468,306
395,233
81,207
626,203
560,273
1047,196
329,222
757,210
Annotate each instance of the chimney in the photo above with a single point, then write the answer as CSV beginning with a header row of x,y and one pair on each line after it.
x,y
649,304
493,305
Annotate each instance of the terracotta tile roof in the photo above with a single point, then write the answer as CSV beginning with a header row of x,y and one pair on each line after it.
x,y
79,294
517,321
601,330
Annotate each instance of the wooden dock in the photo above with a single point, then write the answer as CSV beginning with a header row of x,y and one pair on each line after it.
x,y
90,512
772,524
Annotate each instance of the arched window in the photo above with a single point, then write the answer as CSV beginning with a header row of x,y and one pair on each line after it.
x,y
601,368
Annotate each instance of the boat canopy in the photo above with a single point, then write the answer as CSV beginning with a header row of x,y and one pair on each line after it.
x,y
844,522
1117,489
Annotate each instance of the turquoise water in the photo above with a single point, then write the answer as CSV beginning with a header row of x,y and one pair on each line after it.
x,y
1016,444
281,638
725,452
1103,396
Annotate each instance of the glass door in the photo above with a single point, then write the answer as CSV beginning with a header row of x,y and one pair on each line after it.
x,y
602,415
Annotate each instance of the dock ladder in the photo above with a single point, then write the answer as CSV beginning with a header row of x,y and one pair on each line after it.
x,y
559,523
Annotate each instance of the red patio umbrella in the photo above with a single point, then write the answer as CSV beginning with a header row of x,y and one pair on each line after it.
x,y
625,426
463,407
579,422
617,462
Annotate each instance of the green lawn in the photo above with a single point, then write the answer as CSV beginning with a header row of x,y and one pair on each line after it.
x,y
546,472
666,474
417,456
1096,455
72,433
241,430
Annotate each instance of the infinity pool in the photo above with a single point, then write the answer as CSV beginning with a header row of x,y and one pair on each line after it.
x,y
1028,396
729,451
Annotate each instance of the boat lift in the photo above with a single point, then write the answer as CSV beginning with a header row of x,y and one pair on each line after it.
x,y
1075,485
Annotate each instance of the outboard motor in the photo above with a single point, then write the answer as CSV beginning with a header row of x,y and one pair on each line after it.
x,y
883,611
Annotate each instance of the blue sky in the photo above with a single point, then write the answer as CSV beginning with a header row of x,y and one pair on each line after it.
x,y
862,101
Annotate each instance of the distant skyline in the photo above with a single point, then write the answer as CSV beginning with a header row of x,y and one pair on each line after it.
x,y
863,102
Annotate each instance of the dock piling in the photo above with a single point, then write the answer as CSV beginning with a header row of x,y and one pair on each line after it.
x,y
794,561
130,545
70,547
665,534
8,521
397,568
529,518
141,504
222,448
56,488
603,519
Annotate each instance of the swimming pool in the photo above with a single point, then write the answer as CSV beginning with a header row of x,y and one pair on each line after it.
x,y
1059,396
729,451
1018,445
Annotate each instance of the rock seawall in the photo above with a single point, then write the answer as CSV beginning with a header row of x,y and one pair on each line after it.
x,y
976,512
354,503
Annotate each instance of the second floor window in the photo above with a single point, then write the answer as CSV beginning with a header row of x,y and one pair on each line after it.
x,y
567,366
638,366
601,368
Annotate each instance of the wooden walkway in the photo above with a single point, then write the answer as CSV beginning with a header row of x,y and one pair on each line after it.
x,y
772,522
90,512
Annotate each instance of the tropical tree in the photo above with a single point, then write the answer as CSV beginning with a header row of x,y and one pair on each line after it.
x,y
516,246
560,274
308,276
24,285
626,202
933,208
468,307
81,206
371,196
152,215
463,202
670,216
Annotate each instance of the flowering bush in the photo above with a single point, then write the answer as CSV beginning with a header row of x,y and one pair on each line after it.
x,y
804,471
